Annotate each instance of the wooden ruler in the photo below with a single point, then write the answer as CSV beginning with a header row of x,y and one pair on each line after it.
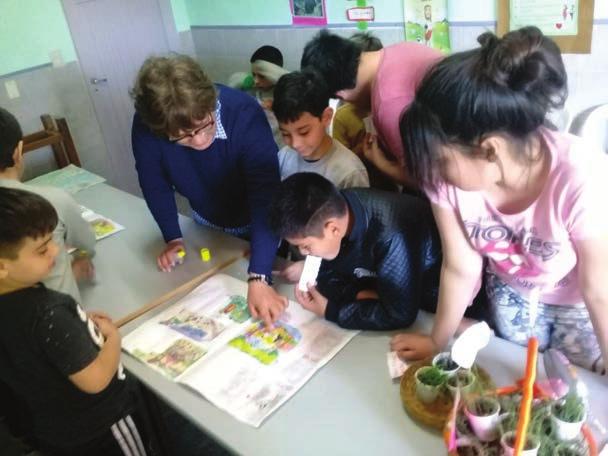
x,y
181,290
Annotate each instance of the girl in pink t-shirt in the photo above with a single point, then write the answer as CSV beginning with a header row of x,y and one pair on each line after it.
x,y
505,188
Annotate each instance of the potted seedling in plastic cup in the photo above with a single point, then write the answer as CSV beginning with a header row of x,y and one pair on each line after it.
x,y
483,415
531,445
463,380
429,381
565,449
568,416
445,362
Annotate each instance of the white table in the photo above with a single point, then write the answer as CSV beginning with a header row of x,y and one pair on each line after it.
x,y
127,277
349,407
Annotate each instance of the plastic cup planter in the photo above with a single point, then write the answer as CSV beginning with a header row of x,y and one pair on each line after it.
x,y
429,381
462,379
483,414
531,446
568,417
444,362
563,449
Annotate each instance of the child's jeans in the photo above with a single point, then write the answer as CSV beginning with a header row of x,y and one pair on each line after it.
x,y
566,328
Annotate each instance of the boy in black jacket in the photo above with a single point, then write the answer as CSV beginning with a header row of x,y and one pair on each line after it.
x,y
381,251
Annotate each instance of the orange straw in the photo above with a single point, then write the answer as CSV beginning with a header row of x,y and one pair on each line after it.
x,y
528,392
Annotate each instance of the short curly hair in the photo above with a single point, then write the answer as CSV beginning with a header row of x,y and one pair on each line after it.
x,y
172,93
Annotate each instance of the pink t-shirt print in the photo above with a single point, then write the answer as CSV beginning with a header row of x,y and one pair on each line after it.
x,y
535,248
401,69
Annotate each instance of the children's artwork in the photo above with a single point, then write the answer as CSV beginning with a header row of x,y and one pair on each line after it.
x,y
426,23
195,326
102,226
72,179
552,17
175,359
209,342
237,309
265,344
308,12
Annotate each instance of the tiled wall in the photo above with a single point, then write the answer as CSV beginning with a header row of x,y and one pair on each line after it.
x,y
61,92
223,51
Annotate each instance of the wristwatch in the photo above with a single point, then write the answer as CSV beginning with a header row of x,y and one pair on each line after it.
x,y
255,277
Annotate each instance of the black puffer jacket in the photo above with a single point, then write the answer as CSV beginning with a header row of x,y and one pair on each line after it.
x,y
393,248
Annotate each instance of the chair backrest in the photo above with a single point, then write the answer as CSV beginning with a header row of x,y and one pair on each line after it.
x,y
56,134
592,125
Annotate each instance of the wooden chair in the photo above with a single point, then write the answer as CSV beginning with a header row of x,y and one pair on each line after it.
x,y
57,135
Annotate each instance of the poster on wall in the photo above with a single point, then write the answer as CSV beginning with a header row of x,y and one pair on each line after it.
x,y
308,12
552,17
426,23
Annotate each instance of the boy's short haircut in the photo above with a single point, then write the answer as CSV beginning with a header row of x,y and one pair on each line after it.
x,y
298,92
171,93
10,135
335,58
366,41
23,214
302,205
269,54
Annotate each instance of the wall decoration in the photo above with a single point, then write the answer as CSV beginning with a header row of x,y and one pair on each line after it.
x,y
308,12
426,23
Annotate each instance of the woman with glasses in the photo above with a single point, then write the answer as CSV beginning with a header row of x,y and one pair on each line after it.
x,y
213,145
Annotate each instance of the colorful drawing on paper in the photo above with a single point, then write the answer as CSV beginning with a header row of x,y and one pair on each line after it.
x,y
102,227
552,17
265,344
426,23
173,361
194,326
237,309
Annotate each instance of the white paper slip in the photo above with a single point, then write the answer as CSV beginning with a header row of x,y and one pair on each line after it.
x,y
369,125
396,367
310,272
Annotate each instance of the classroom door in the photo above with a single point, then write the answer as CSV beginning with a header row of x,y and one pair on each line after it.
x,y
112,38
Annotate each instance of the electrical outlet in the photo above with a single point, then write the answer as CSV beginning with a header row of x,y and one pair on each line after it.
x,y
11,89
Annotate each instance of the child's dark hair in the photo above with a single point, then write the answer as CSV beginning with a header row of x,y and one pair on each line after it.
x,y
366,41
268,54
505,86
302,205
335,58
298,92
10,135
23,214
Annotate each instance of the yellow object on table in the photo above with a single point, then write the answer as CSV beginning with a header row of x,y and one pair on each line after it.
x,y
205,254
527,390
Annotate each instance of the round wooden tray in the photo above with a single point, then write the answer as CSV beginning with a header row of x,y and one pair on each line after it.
x,y
435,414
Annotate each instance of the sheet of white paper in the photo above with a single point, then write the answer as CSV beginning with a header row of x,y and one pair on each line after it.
x,y
102,226
72,179
309,272
396,367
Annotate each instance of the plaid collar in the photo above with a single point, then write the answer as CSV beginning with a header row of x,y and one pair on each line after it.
x,y
220,133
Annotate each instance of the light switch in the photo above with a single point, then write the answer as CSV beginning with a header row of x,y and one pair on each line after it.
x,y
56,58
11,89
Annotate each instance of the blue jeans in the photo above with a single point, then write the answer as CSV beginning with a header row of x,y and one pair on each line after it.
x,y
567,328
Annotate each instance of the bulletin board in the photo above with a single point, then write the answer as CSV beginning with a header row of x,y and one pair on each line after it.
x,y
579,43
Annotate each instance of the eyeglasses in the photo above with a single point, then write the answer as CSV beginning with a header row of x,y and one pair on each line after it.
x,y
205,129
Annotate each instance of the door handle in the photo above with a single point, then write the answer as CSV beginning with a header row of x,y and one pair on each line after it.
x,y
98,80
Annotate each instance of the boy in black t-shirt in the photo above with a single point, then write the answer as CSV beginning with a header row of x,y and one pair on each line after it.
x,y
63,362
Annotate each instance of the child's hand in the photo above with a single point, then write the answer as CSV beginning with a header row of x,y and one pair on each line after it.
x,y
411,347
371,149
166,261
312,300
105,326
83,269
292,272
